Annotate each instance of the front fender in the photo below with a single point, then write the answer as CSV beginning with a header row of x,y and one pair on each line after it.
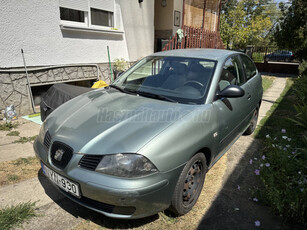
x,y
178,143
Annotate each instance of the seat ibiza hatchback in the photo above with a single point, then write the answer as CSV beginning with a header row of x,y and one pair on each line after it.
x,y
145,143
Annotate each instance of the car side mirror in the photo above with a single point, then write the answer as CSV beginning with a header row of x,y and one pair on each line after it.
x,y
231,91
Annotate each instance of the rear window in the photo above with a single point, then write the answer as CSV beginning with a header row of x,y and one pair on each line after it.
x,y
249,66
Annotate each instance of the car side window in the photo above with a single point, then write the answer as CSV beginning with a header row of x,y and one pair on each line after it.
x,y
232,73
249,67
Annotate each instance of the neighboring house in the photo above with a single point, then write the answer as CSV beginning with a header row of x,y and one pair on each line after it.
x,y
66,40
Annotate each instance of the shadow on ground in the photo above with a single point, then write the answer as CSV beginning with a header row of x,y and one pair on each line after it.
x,y
233,207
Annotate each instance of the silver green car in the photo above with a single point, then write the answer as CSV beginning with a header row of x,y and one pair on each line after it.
x,y
145,143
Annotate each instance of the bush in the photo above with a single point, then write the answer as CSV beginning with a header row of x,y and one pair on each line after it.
x,y
303,68
120,65
300,89
301,116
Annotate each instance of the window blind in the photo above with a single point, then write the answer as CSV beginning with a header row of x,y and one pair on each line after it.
x,y
107,5
81,5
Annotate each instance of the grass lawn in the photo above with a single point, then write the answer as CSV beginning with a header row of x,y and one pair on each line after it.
x,y
15,215
18,170
283,168
267,82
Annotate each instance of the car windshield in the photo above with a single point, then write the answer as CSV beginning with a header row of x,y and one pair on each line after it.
x,y
175,79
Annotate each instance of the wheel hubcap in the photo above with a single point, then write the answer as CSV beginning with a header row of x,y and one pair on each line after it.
x,y
192,182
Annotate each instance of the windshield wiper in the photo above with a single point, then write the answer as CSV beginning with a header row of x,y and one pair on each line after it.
x,y
146,94
123,90
157,96
116,87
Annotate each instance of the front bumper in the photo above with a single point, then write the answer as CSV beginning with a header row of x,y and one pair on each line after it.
x,y
112,196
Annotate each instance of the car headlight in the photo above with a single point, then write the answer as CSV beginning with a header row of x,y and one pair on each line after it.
x,y
42,132
126,165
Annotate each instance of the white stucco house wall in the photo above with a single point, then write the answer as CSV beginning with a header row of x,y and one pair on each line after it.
x,y
64,40
36,26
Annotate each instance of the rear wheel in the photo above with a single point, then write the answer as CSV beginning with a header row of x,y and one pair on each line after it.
x,y
251,128
189,185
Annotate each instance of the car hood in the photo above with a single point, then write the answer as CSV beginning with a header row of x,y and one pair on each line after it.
x,y
109,121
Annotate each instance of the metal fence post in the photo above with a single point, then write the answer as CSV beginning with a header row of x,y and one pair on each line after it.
x,y
249,50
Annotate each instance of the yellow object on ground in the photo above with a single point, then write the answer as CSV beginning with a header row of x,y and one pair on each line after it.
x,y
99,84
34,115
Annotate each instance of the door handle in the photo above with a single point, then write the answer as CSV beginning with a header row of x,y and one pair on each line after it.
x,y
249,97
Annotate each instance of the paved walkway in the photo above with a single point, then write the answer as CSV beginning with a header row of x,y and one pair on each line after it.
x,y
229,208
270,96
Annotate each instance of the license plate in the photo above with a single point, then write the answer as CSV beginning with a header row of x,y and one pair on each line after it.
x,y
62,182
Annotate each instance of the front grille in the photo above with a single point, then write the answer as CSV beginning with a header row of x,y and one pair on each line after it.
x,y
61,154
90,161
47,140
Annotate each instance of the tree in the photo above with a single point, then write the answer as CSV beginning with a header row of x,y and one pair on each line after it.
x,y
232,27
291,34
244,22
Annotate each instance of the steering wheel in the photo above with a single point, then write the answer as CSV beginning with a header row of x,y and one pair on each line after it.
x,y
195,83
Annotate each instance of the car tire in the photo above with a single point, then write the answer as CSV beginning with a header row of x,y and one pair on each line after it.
x,y
189,185
251,128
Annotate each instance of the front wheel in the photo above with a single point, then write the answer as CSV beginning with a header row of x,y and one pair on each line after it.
x,y
251,128
189,185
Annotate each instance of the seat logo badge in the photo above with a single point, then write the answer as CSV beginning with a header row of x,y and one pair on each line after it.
x,y
59,154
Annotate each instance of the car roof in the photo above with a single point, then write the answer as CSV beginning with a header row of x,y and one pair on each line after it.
x,y
212,54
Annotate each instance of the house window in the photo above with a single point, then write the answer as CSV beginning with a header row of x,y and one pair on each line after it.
x,y
101,17
71,15
89,13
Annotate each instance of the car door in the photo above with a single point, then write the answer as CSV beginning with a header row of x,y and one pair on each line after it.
x,y
232,112
253,79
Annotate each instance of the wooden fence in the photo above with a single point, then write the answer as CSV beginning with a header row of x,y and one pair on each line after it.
x,y
195,38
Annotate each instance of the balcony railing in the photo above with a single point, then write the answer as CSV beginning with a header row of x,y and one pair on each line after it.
x,y
195,38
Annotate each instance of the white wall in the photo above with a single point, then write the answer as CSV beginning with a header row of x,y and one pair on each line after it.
x,y
178,6
34,25
138,22
164,15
